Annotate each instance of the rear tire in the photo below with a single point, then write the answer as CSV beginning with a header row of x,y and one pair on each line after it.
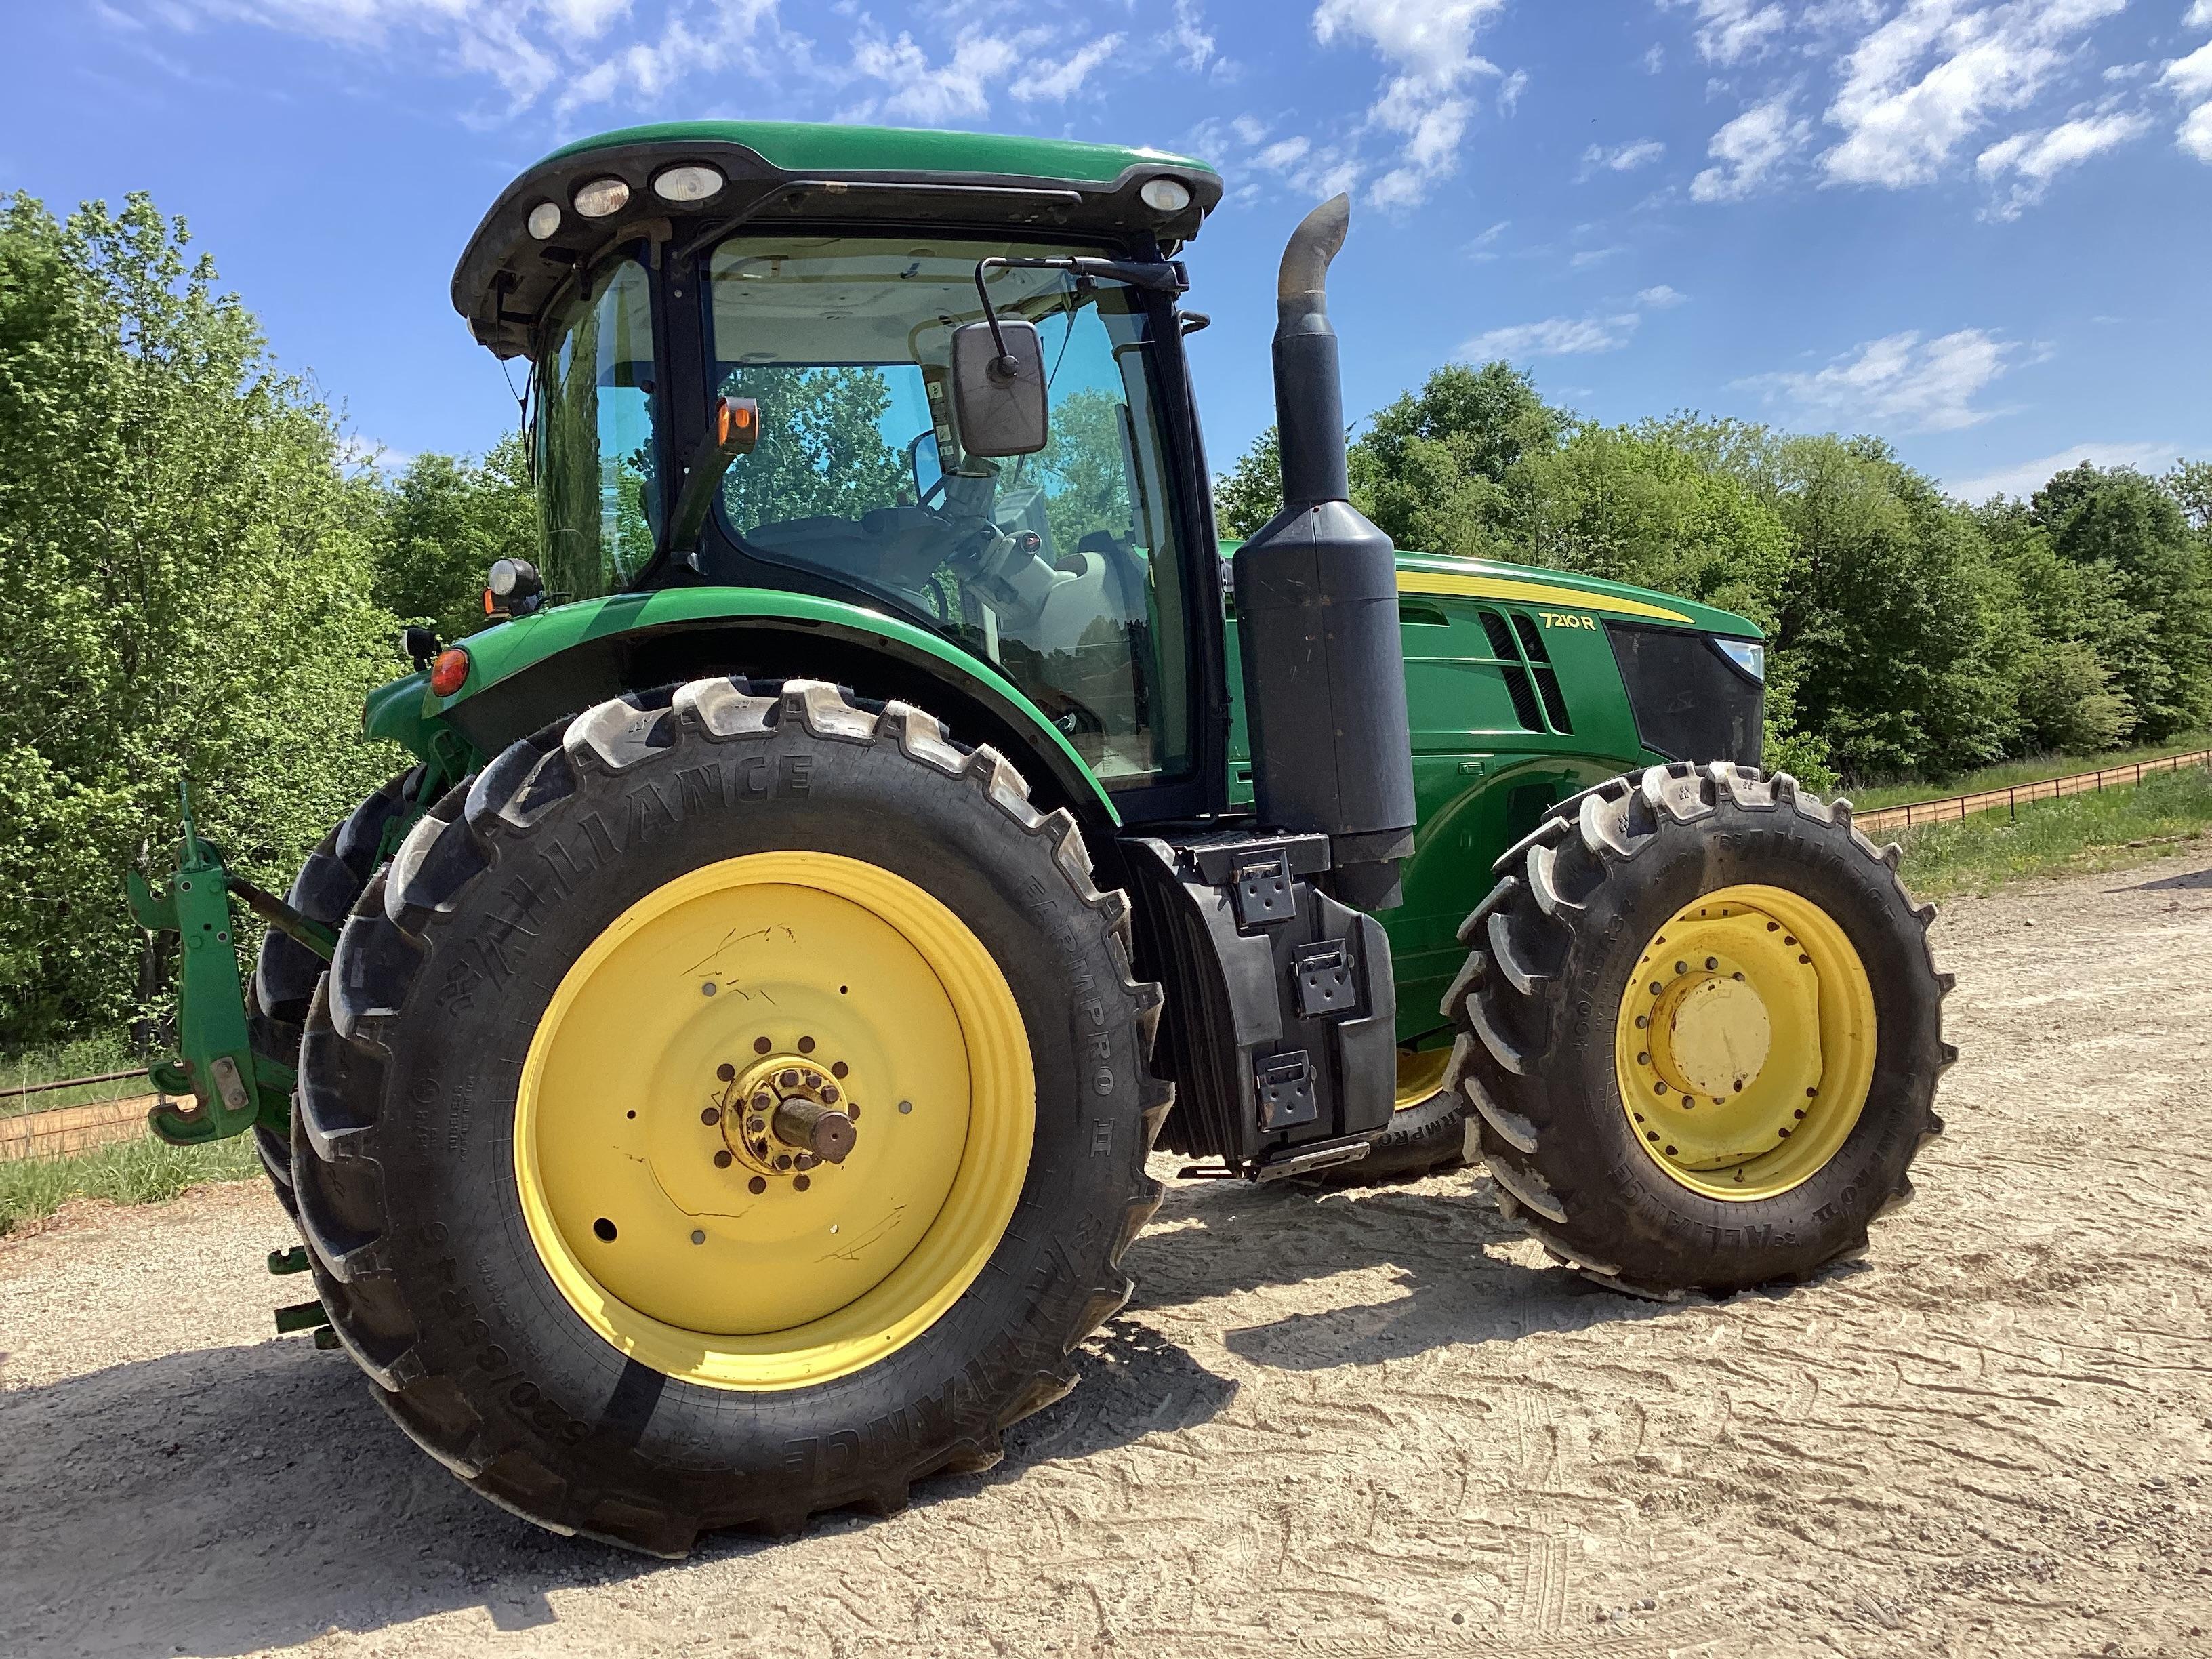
x,y
286,972
426,1220
1586,902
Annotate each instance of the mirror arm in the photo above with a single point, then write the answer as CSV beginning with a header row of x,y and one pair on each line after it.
x,y
1003,367
733,431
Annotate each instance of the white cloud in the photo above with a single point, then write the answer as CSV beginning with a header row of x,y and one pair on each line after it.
x,y
2033,159
1063,79
1937,72
920,90
1569,337
1191,40
1555,336
1736,31
1901,382
2023,479
2200,15
1482,249
1655,58
1430,46
1593,256
1748,150
1509,91
2195,133
2191,79
1621,158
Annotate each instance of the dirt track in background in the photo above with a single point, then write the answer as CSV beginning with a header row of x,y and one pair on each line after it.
x,y
1375,1423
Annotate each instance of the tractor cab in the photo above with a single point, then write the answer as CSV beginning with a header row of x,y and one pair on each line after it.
x,y
819,279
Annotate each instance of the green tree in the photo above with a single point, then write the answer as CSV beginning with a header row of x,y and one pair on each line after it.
x,y
1884,632
1636,504
185,598
438,527
1251,492
822,450
2130,532
1431,468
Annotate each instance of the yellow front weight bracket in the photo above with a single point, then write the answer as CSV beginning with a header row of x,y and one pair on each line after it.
x,y
232,1087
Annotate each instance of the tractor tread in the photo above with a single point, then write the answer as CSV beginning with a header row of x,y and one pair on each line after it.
x,y
1514,1024
385,945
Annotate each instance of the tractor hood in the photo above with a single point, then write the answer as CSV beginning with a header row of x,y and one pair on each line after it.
x,y
681,182
1564,589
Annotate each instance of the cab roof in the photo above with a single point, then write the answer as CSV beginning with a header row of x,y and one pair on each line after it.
x,y
779,173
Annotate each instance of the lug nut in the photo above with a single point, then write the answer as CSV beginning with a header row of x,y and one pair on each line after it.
x,y
829,1094
757,1185
762,1045
762,1100
1712,962
754,1126
712,1115
722,1159
800,1183
805,1045
839,1069
786,1079
726,1072
813,1079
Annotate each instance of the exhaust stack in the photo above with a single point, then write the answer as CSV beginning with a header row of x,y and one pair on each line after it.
x,y
1317,612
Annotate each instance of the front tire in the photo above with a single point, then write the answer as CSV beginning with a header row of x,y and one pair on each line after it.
x,y
495,1136
1701,1027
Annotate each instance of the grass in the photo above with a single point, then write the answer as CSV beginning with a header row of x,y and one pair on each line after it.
x,y
138,1171
84,1057
2036,768
2168,812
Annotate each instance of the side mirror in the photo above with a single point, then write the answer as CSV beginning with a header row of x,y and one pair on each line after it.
x,y
998,388
926,464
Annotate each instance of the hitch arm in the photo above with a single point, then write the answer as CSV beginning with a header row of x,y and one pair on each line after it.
x,y
232,1087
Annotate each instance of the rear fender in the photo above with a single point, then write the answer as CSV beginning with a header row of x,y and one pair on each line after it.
x,y
524,674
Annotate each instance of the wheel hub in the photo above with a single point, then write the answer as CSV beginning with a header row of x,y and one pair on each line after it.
x,y
1744,1044
1711,1033
786,1116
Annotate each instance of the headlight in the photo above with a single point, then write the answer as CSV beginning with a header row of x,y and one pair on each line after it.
x,y
692,182
1166,195
1745,654
601,197
544,220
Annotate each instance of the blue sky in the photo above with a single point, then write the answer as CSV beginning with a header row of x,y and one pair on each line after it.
x,y
1980,227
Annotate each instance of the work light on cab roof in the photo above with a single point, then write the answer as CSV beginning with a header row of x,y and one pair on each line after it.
x,y
880,812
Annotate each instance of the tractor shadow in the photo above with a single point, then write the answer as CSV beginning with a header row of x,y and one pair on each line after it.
x,y
2187,881
225,1500
1458,1273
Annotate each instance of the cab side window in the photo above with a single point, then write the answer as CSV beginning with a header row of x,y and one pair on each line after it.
x,y
598,468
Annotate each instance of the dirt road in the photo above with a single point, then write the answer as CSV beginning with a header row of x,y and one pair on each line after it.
x,y
1367,1424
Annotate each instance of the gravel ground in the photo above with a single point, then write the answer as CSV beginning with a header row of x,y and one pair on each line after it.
x,y
1372,1423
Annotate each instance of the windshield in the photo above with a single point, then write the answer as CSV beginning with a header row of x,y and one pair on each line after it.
x,y
1059,567
598,487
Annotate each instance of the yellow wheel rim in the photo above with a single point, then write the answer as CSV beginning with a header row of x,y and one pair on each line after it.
x,y
1421,1077
1745,1043
775,1120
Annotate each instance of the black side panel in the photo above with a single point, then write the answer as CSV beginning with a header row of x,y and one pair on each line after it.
x,y
1279,1028
1691,703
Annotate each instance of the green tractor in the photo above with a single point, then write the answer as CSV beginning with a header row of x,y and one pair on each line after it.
x,y
715,1085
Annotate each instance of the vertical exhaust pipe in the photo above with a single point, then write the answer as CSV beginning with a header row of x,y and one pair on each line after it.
x,y
1317,611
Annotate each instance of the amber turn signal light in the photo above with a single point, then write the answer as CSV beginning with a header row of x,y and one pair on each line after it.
x,y
737,424
449,672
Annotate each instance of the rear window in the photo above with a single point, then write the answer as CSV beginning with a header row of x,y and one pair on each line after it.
x,y
1691,703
